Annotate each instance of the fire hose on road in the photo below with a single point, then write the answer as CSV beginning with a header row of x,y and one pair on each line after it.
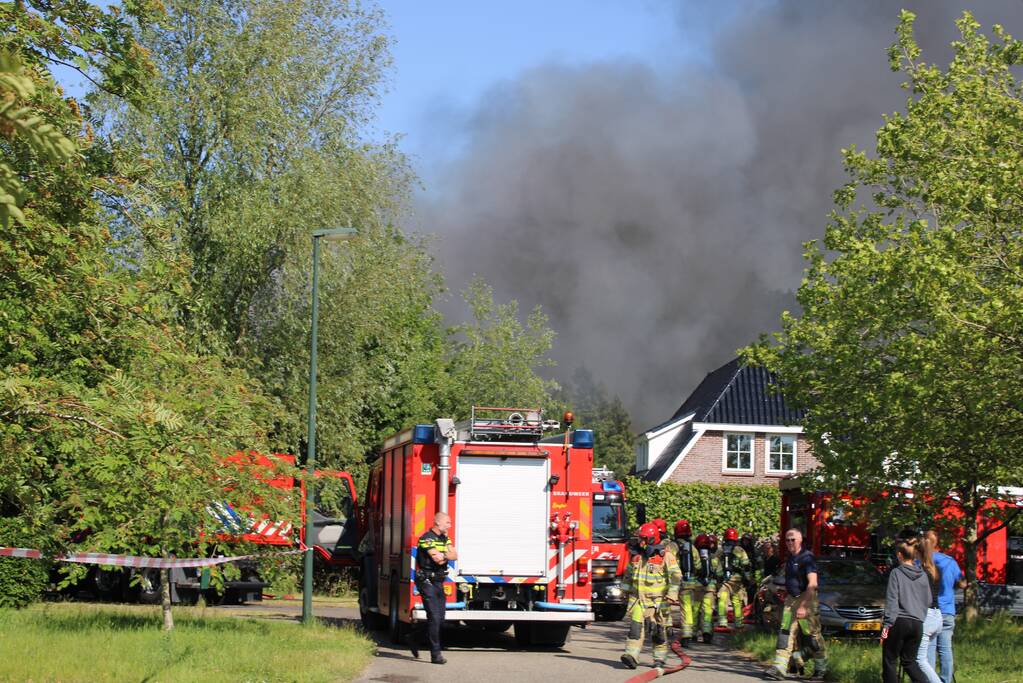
x,y
652,674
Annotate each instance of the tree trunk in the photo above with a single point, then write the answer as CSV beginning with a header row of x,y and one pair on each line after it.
x,y
165,599
970,509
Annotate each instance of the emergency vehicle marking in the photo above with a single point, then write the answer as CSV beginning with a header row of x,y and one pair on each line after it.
x,y
419,528
584,518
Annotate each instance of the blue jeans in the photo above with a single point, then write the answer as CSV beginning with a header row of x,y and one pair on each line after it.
x,y
942,646
932,627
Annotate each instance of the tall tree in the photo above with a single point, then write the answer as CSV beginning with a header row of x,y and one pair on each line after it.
x,y
909,349
112,429
604,413
495,359
255,126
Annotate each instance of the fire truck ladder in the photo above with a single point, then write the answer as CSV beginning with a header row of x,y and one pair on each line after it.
x,y
506,424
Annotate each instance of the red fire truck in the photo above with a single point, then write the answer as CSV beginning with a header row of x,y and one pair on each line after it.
x,y
831,526
232,525
520,510
609,551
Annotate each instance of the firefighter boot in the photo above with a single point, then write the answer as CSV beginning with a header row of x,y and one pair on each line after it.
x,y
774,674
439,659
708,638
629,661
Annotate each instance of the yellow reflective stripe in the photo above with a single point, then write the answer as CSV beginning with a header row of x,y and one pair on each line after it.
x,y
419,518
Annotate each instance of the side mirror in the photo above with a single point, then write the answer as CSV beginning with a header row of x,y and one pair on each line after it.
x,y
640,513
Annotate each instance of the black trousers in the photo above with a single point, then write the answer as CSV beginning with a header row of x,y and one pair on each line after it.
x,y
433,602
901,645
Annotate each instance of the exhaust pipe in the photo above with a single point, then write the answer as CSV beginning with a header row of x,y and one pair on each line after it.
x,y
445,434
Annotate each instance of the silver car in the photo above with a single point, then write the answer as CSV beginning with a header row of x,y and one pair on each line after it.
x,y
851,594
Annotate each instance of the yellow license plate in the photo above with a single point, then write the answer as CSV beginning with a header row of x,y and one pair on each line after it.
x,y
865,626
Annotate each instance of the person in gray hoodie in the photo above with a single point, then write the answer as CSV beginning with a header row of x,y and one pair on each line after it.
x,y
906,603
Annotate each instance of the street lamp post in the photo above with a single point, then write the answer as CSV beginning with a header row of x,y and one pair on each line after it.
x,y
310,455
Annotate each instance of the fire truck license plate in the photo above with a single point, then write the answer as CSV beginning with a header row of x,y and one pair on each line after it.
x,y
864,626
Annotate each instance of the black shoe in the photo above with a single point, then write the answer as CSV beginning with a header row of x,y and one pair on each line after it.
x,y
629,661
659,664
772,674
439,659
684,642
708,638
413,647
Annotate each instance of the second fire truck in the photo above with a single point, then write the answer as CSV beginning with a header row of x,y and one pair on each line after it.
x,y
610,545
521,521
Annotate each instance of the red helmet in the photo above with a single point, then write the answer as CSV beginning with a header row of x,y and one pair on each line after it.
x,y
661,525
648,532
713,541
731,535
682,529
702,541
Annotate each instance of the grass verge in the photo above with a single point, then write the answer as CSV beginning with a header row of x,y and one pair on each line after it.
x,y
987,651
75,642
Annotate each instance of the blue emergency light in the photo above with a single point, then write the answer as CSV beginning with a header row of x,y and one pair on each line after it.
x,y
582,438
612,486
422,434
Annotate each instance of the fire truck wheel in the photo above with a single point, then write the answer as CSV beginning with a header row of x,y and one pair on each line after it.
x,y
523,633
108,584
371,621
395,626
495,626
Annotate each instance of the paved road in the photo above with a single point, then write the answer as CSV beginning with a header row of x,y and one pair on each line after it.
x,y
590,656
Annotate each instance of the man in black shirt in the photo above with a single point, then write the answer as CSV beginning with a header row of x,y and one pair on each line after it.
x,y
801,613
432,554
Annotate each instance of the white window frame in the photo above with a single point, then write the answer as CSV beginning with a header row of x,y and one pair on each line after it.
x,y
767,454
752,453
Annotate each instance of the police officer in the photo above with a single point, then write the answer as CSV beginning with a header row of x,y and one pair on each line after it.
x,y
650,585
801,611
432,554
689,564
706,592
733,566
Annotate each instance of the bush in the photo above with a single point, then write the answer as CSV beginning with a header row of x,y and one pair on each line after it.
x,y
709,508
21,581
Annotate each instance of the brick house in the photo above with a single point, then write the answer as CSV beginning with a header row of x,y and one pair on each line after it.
x,y
731,430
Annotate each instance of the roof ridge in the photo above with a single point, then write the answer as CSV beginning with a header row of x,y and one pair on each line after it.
x,y
728,385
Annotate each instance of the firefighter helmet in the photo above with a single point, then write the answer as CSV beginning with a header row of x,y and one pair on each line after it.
x,y
713,541
682,529
731,535
650,533
702,541
662,526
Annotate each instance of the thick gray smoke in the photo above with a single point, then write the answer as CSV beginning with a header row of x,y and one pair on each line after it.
x,y
658,215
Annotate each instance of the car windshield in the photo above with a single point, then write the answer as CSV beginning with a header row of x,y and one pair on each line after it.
x,y
849,574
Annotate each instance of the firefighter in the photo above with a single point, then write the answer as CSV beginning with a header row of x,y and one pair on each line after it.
x,y
707,591
733,569
756,570
801,611
651,586
432,554
689,564
662,527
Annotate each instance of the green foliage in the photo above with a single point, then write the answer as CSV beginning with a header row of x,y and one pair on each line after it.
x,y
495,359
709,508
909,347
606,415
22,581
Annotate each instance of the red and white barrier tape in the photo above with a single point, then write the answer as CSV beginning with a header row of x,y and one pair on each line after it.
x,y
135,560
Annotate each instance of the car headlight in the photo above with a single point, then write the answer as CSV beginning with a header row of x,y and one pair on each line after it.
x,y
614,591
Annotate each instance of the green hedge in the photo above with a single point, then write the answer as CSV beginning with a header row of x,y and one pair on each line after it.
x,y
21,581
709,508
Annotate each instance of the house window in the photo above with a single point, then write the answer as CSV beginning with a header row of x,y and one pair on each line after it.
x,y
781,453
738,453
